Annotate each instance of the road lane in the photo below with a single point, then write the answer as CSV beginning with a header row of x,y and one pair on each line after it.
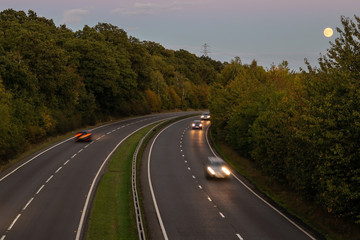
x,y
44,198
192,207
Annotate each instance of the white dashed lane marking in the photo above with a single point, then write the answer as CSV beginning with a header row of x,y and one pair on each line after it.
x,y
28,203
238,235
200,187
48,180
38,191
13,223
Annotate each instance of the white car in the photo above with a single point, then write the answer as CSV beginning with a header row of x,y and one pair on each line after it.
x,y
216,168
205,116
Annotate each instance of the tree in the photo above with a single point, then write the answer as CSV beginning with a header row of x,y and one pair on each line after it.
x,y
11,139
334,99
153,100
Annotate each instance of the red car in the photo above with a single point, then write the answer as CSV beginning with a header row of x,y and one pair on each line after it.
x,y
83,136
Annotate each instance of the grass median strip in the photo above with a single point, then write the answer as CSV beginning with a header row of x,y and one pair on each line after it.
x,y
112,215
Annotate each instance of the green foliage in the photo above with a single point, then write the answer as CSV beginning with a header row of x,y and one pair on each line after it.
x,y
301,129
9,131
55,80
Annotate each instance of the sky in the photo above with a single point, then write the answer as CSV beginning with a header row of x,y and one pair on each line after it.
x,y
268,31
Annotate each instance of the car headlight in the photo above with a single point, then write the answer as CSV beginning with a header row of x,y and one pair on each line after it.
x,y
193,124
211,170
200,125
226,171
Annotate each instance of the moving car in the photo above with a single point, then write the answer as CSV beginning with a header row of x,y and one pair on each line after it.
x,y
216,168
83,136
196,124
205,116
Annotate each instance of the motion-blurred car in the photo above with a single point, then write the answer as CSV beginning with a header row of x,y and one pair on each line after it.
x,y
196,124
83,136
205,116
216,168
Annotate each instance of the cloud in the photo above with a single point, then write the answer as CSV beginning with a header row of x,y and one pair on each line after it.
x,y
74,16
149,8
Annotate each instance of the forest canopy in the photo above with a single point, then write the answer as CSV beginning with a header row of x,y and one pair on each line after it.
x,y
54,80
302,129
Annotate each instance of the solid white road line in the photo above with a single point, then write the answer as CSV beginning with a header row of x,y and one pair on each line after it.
x,y
88,196
34,158
150,183
258,196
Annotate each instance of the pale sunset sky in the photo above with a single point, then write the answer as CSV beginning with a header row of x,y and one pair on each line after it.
x,y
264,30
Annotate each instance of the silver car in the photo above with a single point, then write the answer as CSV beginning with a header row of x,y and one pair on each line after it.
x,y
216,168
205,116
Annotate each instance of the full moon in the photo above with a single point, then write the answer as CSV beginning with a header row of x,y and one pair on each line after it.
x,y
328,32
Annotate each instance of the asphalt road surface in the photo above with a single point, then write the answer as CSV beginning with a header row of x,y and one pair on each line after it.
x,y
44,196
180,203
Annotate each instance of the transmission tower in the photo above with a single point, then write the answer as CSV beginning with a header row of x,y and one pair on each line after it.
x,y
205,50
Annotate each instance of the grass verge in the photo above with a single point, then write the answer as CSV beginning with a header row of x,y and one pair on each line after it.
x,y
309,213
112,214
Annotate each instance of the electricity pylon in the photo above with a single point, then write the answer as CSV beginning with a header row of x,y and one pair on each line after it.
x,y
205,50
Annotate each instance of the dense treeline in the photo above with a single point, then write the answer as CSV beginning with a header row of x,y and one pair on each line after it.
x,y
53,80
302,129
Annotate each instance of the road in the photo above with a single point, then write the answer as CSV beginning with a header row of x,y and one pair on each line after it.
x,y
44,196
180,203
